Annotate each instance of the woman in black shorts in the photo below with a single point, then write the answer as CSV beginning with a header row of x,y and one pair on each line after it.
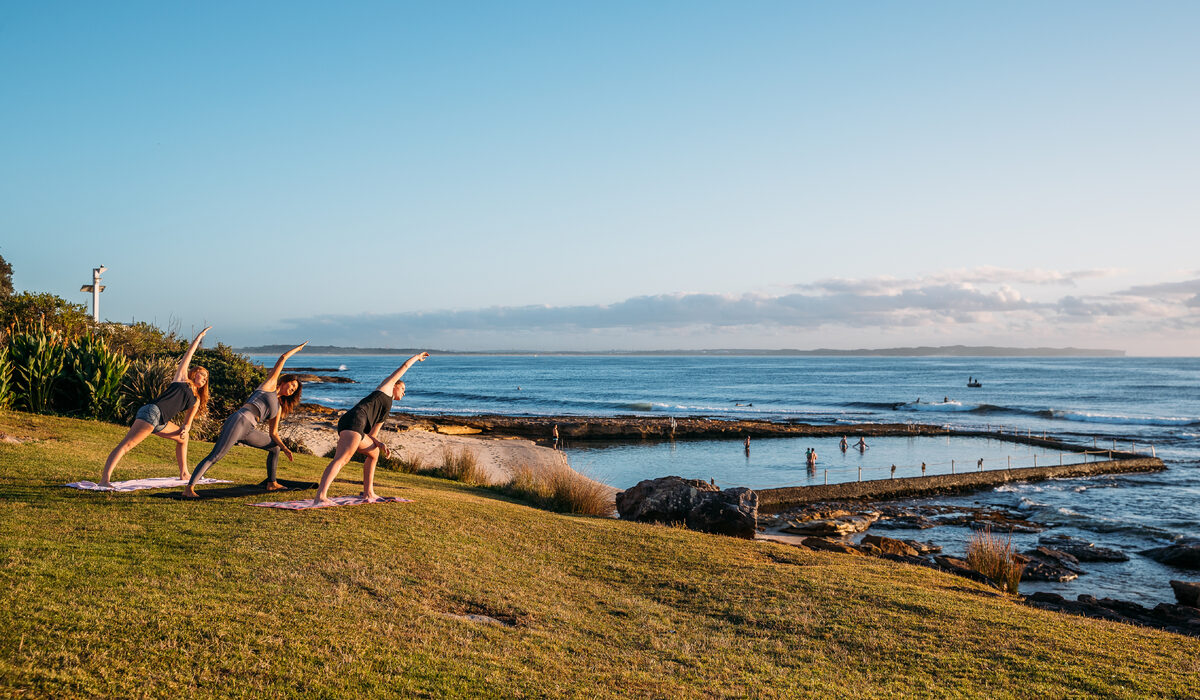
x,y
188,391
358,431
271,402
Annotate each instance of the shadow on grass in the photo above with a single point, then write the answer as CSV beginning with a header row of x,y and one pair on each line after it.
x,y
238,491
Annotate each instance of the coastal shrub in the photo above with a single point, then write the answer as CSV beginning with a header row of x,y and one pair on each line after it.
x,y
561,489
231,379
994,558
461,465
27,308
407,465
91,379
37,355
142,340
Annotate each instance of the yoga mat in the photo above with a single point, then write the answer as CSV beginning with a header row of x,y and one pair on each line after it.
x,y
337,501
158,482
237,491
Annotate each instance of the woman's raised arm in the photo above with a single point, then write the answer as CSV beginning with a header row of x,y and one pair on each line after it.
x,y
273,378
181,373
388,384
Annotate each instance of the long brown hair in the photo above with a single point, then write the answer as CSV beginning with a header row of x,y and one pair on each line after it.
x,y
289,403
201,392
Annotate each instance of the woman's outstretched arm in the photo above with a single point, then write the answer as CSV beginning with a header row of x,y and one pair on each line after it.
x,y
181,373
273,378
388,384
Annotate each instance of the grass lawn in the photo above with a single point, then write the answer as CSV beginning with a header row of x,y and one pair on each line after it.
x,y
138,595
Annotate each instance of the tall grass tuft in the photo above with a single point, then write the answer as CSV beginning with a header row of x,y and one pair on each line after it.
x,y
146,380
994,557
461,465
561,489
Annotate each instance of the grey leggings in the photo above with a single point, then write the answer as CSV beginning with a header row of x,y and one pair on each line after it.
x,y
240,428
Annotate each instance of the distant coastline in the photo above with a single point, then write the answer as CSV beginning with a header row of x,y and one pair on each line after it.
x,y
919,351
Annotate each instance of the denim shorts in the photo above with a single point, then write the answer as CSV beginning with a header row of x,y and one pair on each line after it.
x,y
152,415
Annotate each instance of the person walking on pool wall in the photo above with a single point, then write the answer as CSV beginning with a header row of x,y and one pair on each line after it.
x,y
188,391
358,431
272,401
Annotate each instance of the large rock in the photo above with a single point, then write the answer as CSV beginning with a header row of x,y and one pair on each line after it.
x,y
1187,592
1183,556
824,545
1044,564
732,512
668,499
834,526
890,546
1082,550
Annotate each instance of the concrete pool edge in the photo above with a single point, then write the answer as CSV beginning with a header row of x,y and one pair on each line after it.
x,y
777,499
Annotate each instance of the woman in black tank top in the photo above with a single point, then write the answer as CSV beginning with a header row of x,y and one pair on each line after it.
x,y
188,390
358,431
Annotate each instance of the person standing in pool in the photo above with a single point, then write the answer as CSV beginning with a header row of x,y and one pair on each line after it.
x,y
272,401
188,391
843,444
358,431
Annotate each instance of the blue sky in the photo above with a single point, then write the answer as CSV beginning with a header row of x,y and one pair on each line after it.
x,y
612,175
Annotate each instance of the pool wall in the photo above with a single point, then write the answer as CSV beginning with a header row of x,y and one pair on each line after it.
x,y
774,500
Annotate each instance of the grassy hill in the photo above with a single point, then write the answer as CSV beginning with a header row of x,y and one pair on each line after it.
x,y
141,595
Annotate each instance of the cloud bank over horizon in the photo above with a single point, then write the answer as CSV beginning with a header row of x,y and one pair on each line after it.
x,y
979,306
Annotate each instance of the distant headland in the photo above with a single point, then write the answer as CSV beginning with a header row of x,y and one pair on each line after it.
x,y
919,351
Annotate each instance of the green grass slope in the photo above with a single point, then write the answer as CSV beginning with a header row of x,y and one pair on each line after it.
x,y
137,595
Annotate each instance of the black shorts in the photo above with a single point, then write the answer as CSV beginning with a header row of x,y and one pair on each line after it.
x,y
353,420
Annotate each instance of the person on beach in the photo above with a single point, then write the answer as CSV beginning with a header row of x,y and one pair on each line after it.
x,y
358,431
272,401
188,391
555,434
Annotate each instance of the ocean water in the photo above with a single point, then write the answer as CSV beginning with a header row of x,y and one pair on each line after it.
x,y
1151,402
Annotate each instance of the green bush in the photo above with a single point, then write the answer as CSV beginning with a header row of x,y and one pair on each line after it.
x,y
26,308
91,382
37,356
231,379
142,341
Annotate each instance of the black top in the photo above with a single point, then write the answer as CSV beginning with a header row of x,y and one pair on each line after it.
x,y
374,409
178,397
265,404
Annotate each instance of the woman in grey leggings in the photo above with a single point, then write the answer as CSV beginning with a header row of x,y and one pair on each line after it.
x,y
272,401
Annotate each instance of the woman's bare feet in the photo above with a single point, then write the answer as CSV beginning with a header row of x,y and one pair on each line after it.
x,y
189,492
369,497
321,501
275,486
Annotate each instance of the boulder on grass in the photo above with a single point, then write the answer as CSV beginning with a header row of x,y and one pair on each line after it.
x,y
824,545
831,526
732,512
668,499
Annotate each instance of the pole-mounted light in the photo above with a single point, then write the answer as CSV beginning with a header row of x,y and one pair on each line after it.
x,y
95,288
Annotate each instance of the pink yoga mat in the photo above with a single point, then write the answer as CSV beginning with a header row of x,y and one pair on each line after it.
x,y
307,503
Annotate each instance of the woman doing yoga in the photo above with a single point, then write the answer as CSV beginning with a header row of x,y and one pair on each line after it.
x,y
358,431
272,401
188,391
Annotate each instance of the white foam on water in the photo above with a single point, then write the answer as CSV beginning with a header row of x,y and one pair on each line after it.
x,y
1087,417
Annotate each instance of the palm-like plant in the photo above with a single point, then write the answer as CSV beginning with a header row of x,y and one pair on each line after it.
x,y
93,375
37,356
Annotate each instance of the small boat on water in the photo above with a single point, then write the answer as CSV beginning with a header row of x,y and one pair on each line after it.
x,y
973,383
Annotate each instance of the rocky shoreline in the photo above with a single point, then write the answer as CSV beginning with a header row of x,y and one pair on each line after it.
x,y
839,527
